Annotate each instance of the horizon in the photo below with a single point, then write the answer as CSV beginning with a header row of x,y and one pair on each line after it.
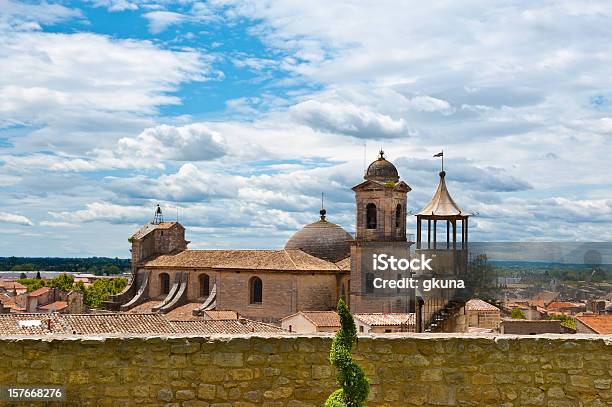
x,y
241,114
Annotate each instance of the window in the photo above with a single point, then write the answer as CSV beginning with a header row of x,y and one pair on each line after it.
x,y
360,328
371,216
369,288
255,290
164,283
398,216
204,285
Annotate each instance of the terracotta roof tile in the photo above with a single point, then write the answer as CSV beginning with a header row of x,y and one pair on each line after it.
x,y
220,315
184,312
555,305
224,327
144,308
382,319
117,323
321,318
602,324
274,260
39,292
31,324
150,227
476,304
11,285
54,306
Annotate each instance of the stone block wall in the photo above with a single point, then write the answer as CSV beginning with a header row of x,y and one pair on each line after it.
x,y
291,370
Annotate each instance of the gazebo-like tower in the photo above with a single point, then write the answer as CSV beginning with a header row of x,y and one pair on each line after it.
x,y
442,207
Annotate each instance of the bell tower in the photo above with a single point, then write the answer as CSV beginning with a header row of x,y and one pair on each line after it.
x,y
381,208
381,203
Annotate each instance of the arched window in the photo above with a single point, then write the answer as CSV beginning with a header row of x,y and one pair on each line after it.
x,y
164,283
255,290
371,216
204,285
398,216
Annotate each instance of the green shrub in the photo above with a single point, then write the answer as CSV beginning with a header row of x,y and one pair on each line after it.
x,y
354,385
518,314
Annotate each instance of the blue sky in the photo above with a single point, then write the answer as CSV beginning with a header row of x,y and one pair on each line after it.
x,y
238,114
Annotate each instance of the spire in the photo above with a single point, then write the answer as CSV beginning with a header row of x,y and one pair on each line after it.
x,y
322,212
441,204
158,218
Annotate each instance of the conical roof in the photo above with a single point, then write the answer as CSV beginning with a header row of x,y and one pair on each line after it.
x,y
322,239
442,204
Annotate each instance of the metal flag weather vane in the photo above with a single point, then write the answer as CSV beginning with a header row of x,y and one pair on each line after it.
x,y
440,154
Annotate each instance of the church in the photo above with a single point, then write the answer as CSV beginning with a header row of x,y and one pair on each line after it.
x,y
318,265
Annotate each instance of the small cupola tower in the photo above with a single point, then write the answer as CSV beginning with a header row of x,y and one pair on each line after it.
x,y
381,203
380,227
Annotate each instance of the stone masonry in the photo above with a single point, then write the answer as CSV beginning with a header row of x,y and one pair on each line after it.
x,y
291,370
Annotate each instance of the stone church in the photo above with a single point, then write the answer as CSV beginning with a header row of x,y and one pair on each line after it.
x,y
318,265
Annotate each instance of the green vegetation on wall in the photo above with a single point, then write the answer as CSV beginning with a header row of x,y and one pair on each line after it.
x,y
354,385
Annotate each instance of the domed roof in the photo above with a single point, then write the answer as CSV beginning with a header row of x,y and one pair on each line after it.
x,y
382,170
322,239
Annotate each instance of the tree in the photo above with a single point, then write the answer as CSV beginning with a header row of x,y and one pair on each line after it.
x,y
32,283
354,385
566,321
38,275
63,282
23,275
518,314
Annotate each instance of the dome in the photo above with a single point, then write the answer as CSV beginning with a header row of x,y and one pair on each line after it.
x,y
322,239
382,170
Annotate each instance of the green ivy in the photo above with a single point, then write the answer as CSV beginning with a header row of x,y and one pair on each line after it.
x,y
354,385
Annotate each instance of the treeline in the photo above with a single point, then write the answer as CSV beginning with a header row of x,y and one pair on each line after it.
x,y
93,294
93,265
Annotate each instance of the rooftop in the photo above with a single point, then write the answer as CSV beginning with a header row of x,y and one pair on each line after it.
x,y
39,292
476,304
320,318
602,324
383,319
150,227
442,204
272,260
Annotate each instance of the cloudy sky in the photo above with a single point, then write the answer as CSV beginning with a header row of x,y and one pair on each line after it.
x,y
238,114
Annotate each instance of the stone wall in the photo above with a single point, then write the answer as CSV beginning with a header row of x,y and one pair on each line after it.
x,y
435,370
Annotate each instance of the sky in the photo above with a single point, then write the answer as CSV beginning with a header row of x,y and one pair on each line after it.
x,y
235,116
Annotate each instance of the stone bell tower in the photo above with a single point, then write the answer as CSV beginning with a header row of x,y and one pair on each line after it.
x,y
381,207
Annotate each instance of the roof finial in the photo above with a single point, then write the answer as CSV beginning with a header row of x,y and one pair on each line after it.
x,y
322,212
158,218
382,154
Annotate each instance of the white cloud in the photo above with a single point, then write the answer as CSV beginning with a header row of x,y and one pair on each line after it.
x,y
160,20
348,119
14,218
194,142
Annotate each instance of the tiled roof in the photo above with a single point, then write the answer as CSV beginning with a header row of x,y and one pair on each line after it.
x,y
92,324
144,308
382,319
274,260
39,292
184,312
55,306
31,324
117,323
602,324
223,327
220,315
561,304
11,285
320,318
344,264
476,304
150,227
